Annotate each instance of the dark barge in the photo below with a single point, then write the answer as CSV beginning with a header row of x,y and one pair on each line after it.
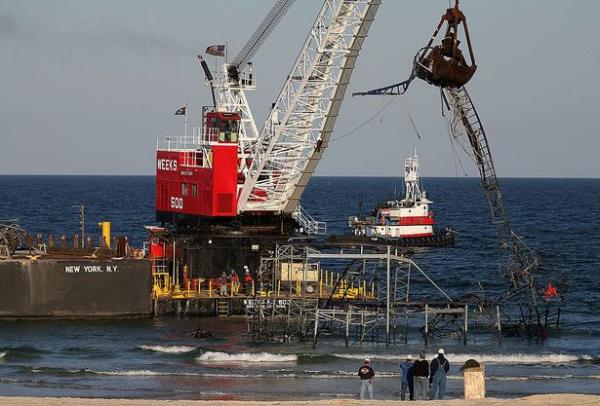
x,y
41,278
75,288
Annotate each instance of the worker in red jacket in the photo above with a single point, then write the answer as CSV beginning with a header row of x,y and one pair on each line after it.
x,y
248,281
235,282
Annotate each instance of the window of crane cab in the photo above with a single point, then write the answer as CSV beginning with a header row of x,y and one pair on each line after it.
x,y
199,159
184,189
228,128
194,190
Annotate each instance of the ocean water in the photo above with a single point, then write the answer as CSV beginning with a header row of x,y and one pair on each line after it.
x,y
157,358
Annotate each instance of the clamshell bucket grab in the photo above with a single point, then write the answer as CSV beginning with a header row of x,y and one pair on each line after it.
x,y
444,65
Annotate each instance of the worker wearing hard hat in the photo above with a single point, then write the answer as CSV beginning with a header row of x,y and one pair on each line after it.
x,y
248,281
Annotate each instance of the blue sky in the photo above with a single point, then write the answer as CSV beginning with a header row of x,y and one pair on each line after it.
x,y
86,87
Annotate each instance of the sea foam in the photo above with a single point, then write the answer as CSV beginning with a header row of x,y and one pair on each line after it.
x,y
168,349
215,356
517,358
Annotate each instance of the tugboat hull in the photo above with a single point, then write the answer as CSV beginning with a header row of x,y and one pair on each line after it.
x,y
440,238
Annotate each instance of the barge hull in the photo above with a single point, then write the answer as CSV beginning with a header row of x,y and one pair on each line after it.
x,y
75,288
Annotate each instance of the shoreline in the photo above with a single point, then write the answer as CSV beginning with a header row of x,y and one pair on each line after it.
x,y
564,399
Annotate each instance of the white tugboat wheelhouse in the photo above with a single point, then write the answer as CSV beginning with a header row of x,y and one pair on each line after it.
x,y
409,217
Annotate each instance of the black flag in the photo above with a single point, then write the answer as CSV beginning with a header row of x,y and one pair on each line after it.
x,y
181,111
216,50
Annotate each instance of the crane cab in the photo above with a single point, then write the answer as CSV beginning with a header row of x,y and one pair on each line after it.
x,y
196,176
222,127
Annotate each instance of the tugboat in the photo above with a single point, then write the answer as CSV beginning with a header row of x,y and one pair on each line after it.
x,y
407,222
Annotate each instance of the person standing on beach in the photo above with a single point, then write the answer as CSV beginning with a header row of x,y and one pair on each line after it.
x,y
421,373
439,367
366,374
407,377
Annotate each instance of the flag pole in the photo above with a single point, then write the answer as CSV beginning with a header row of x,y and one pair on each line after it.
x,y
185,121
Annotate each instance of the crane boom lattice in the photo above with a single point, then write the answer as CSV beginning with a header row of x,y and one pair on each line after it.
x,y
262,32
300,124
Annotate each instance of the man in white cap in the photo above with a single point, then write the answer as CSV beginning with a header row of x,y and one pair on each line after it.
x,y
439,368
407,378
366,374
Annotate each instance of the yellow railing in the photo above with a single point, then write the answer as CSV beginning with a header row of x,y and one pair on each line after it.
x,y
329,285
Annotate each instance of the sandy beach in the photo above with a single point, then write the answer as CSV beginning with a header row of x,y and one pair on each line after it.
x,y
535,400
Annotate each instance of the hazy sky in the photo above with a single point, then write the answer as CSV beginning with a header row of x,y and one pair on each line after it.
x,y
86,87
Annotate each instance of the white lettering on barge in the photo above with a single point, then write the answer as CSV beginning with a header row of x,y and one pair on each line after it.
x,y
91,268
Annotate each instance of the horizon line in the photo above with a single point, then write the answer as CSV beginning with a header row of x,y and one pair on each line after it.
x,y
314,176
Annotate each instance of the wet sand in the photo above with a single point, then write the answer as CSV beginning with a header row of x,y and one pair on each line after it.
x,y
535,400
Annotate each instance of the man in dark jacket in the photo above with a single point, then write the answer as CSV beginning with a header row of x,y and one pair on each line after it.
x,y
438,369
411,382
421,372
366,374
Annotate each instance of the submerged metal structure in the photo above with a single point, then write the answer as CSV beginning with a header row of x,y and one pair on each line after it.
x,y
359,293
530,302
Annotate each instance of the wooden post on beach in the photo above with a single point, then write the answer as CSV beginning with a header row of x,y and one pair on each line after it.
x,y
474,381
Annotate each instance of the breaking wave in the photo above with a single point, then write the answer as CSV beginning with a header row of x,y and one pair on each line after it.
x,y
489,358
266,357
140,372
168,349
279,373
56,371
20,352
85,371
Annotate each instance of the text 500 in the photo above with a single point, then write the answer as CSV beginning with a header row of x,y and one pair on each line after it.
x,y
176,203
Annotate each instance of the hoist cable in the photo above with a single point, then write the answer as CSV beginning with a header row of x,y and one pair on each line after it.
x,y
373,117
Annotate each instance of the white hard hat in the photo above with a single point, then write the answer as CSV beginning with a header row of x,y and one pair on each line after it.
x,y
367,361
441,351
409,356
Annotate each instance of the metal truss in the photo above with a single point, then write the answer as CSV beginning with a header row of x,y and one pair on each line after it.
x,y
300,124
232,98
467,129
523,300
291,310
